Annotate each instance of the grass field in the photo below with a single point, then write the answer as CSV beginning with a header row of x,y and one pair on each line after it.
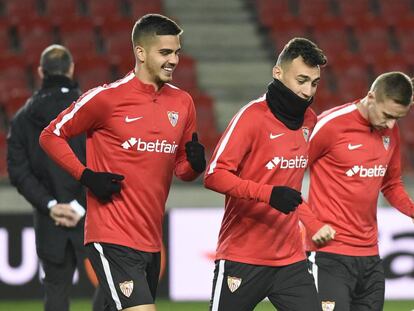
x,y
164,305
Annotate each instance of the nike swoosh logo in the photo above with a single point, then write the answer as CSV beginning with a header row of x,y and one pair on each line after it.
x,y
275,136
128,119
353,147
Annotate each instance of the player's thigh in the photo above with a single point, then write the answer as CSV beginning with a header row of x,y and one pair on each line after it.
x,y
370,290
293,288
121,272
153,273
334,282
238,286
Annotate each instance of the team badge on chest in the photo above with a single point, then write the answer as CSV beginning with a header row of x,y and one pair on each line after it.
x,y
305,133
386,141
328,305
233,283
127,287
173,117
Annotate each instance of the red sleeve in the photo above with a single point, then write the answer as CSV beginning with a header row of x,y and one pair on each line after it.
x,y
309,220
392,185
183,168
86,114
319,145
222,172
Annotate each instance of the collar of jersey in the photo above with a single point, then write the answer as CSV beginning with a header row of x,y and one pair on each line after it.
x,y
147,88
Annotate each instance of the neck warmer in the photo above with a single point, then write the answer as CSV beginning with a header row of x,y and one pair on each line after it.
x,y
285,105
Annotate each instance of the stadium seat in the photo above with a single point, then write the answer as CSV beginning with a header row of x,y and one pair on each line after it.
x,y
352,81
269,10
185,75
354,11
311,11
34,37
100,10
91,72
21,10
392,11
80,37
13,74
373,43
390,62
5,44
285,28
116,34
406,45
139,8
60,12
14,100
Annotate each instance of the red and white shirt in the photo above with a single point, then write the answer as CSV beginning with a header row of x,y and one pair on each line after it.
x,y
350,163
134,131
255,153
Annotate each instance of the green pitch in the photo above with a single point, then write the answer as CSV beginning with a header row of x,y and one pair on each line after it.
x,y
164,305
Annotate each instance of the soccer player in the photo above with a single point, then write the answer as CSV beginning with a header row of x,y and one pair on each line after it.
x,y
354,154
259,165
140,130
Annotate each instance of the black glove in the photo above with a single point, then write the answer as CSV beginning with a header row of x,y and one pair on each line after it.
x,y
285,199
102,184
195,154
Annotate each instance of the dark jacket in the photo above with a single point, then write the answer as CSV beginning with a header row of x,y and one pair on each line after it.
x,y
37,177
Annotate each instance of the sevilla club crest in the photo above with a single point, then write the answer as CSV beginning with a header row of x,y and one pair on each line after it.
x,y
386,141
233,283
127,288
328,305
305,133
173,117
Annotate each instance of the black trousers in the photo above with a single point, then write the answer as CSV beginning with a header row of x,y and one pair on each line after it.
x,y
240,286
349,283
57,282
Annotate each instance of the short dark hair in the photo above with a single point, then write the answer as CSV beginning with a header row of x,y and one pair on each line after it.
x,y
55,60
311,54
394,85
153,25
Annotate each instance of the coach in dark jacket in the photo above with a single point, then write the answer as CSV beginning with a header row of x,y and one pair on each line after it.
x,y
57,198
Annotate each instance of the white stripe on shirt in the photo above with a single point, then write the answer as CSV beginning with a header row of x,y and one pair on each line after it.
x,y
331,116
226,138
88,97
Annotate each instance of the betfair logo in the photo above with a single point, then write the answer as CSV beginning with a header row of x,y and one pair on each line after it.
x,y
359,170
151,146
297,162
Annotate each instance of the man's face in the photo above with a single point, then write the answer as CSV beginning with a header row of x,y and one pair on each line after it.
x,y
383,114
159,57
300,78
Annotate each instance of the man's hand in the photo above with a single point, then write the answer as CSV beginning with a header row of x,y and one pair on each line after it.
x,y
102,184
195,154
64,215
285,199
324,234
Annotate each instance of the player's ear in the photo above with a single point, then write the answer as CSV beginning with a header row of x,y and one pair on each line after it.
x,y
277,72
140,53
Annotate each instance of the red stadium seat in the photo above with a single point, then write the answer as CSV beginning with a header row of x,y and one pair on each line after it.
x,y
62,11
100,10
142,7
3,155
4,36
354,11
352,81
311,11
285,28
14,100
34,37
392,11
390,62
91,72
21,10
269,10
373,44
80,37
406,44
185,75
13,75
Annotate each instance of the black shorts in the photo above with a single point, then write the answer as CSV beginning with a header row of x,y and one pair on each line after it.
x,y
348,283
128,277
240,286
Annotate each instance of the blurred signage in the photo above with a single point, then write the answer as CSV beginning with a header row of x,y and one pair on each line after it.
x,y
193,238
